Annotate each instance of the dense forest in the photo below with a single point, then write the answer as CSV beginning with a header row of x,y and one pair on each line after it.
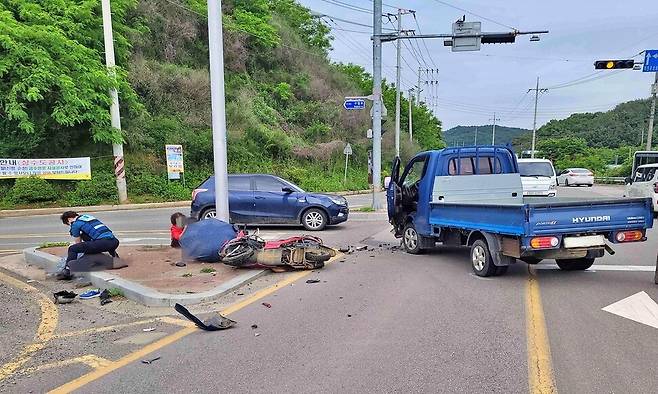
x,y
465,135
283,97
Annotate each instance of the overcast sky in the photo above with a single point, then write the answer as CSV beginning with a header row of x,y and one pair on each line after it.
x,y
474,85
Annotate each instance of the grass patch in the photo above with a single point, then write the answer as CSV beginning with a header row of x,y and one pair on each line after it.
x,y
186,275
208,270
365,209
114,292
52,244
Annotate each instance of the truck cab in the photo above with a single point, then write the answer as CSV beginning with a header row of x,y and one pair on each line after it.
x,y
473,196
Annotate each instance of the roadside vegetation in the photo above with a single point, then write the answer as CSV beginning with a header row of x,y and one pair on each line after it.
x,y
283,98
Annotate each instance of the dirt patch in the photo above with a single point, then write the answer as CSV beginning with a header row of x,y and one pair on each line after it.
x,y
155,267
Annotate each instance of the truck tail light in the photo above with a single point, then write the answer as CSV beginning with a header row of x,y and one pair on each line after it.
x,y
629,236
544,242
197,191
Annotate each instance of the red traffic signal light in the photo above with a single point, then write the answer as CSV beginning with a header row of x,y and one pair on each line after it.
x,y
613,64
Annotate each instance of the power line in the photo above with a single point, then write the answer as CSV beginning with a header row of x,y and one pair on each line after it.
x,y
425,43
348,6
476,15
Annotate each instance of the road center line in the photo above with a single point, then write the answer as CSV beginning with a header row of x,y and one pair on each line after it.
x,y
540,368
45,331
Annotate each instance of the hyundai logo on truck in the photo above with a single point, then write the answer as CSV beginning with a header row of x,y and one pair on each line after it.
x,y
590,219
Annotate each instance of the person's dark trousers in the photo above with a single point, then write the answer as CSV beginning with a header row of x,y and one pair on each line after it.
x,y
90,247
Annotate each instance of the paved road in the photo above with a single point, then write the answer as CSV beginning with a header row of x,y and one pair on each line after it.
x,y
384,321
144,226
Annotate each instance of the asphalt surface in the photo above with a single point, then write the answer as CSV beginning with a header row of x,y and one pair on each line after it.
x,y
378,321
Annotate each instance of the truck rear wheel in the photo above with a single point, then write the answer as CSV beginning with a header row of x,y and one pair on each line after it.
x,y
481,259
575,264
411,239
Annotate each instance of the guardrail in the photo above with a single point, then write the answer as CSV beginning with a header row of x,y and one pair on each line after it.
x,y
610,180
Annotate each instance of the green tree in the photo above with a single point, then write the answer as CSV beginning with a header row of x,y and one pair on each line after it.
x,y
52,74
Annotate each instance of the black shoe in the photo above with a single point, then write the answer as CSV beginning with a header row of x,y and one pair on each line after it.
x,y
64,274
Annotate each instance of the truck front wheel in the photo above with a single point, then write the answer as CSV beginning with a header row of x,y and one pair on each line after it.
x,y
481,259
411,239
575,264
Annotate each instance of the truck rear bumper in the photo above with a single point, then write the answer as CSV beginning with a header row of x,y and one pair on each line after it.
x,y
564,253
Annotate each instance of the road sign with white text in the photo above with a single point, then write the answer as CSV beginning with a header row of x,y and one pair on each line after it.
x,y
354,104
650,61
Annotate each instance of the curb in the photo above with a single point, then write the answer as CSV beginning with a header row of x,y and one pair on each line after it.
x,y
8,213
138,293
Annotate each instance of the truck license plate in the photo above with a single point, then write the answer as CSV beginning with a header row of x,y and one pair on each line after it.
x,y
584,241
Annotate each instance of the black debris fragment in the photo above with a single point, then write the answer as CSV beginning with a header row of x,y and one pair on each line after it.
x,y
150,360
313,281
105,297
254,326
215,323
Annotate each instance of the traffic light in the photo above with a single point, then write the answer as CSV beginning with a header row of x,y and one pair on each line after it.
x,y
613,64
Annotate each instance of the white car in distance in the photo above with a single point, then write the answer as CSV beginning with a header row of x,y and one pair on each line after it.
x,y
576,177
538,177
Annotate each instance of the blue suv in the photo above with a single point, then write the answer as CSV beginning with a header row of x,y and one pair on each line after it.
x,y
267,199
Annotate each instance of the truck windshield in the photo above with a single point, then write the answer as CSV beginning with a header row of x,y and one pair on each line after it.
x,y
544,169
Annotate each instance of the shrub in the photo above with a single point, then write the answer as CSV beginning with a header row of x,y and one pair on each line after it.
x,y
101,188
29,190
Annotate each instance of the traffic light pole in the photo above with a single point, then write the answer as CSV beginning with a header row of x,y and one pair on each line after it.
x,y
411,115
397,86
377,103
652,114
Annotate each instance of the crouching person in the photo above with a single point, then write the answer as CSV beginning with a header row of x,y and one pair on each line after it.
x,y
91,236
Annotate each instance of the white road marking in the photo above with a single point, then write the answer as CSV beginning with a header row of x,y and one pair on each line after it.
x,y
603,267
639,307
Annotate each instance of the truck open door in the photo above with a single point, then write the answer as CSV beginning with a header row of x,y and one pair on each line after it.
x,y
394,195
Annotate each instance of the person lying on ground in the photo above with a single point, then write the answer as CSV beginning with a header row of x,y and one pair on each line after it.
x,y
91,236
177,226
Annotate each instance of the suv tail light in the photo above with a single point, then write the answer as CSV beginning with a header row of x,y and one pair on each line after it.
x,y
197,191
544,242
629,236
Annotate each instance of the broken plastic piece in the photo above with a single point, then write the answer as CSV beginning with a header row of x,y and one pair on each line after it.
x,y
150,360
254,326
313,281
149,329
266,304
215,323
180,264
361,248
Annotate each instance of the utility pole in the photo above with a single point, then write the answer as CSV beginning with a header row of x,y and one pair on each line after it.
x,y
493,132
652,114
397,86
110,63
218,105
411,115
534,123
476,136
418,86
377,103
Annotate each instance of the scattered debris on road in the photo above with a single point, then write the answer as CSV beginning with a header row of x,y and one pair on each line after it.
x,y
105,297
361,248
266,304
313,281
257,334
215,323
64,297
148,329
344,249
180,264
150,360
254,326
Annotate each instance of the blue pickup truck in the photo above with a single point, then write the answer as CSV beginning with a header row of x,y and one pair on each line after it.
x,y
473,196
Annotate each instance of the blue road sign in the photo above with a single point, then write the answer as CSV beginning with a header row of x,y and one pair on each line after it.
x,y
352,104
650,61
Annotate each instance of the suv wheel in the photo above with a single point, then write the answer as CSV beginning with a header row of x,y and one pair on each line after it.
x,y
314,220
209,213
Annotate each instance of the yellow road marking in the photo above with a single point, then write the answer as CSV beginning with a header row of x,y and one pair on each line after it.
x,y
90,360
45,331
540,368
168,340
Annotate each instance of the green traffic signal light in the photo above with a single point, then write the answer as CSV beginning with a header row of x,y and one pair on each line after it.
x,y
613,64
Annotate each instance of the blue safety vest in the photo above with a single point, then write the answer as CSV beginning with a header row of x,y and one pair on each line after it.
x,y
91,227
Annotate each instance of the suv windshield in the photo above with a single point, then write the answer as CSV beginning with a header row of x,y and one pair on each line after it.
x,y
544,169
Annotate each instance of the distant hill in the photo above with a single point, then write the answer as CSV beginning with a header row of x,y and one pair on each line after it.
x,y
625,125
459,135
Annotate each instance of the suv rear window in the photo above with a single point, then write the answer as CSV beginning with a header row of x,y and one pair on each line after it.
x,y
240,183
